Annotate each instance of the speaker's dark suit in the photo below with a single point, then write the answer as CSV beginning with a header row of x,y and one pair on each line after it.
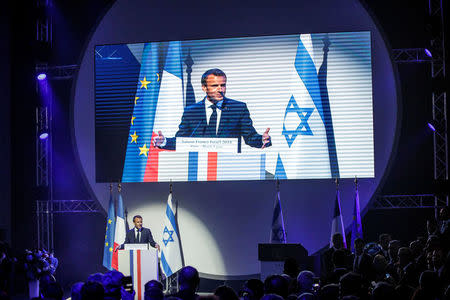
x,y
235,122
146,237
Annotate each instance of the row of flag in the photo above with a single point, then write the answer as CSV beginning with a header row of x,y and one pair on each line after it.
x,y
117,226
278,232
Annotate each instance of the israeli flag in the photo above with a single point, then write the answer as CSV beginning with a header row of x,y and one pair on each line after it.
x,y
304,152
278,233
170,249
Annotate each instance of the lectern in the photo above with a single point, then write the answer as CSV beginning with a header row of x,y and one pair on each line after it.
x,y
141,263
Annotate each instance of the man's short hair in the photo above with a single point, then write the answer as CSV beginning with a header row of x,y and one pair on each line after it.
x,y
384,236
276,284
337,239
305,281
350,284
92,290
137,217
188,278
112,282
215,72
153,284
75,293
339,258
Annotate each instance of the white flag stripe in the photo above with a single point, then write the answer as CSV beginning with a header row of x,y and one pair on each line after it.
x,y
170,246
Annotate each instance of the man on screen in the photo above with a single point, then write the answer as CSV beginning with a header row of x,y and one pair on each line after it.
x,y
139,234
216,116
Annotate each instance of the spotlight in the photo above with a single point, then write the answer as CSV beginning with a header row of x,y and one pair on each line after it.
x,y
431,126
428,53
41,76
43,136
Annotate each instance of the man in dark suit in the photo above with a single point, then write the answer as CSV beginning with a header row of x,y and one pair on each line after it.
x,y
216,116
362,262
139,234
327,263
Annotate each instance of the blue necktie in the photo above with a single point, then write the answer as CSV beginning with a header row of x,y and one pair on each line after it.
x,y
211,129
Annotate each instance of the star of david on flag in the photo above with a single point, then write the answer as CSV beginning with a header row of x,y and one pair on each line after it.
x,y
303,127
169,234
171,260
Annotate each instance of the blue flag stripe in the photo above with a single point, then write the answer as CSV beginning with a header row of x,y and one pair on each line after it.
x,y
171,217
165,265
308,74
131,263
173,61
120,211
280,172
192,166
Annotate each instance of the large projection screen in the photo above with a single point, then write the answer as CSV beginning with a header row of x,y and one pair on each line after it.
x,y
311,93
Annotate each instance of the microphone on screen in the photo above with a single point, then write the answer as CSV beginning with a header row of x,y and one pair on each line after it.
x,y
223,96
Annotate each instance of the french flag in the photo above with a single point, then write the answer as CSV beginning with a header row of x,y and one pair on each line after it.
x,y
164,165
119,236
337,224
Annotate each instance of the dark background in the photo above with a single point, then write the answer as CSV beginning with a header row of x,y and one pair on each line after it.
x,y
403,23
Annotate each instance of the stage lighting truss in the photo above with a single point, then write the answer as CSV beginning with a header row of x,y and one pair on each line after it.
x,y
42,147
435,55
69,206
57,72
44,22
439,95
46,210
411,55
440,144
409,201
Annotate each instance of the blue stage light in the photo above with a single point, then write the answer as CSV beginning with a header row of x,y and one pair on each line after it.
x,y
431,127
41,76
428,53
43,136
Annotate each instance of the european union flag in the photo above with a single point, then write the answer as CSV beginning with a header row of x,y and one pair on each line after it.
x,y
143,118
356,224
109,236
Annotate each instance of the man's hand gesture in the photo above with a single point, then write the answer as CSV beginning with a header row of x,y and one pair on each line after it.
x,y
159,140
265,138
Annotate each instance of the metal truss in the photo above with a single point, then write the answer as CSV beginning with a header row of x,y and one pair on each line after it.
x,y
436,56
410,55
45,226
58,72
44,22
69,206
47,209
409,201
439,96
440,141
42,148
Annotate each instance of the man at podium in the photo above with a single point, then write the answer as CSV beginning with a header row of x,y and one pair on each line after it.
x,y
216,117
139,234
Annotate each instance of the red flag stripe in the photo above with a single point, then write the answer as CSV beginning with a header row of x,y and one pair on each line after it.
x,y
115,258
151,169
212,166
138,260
